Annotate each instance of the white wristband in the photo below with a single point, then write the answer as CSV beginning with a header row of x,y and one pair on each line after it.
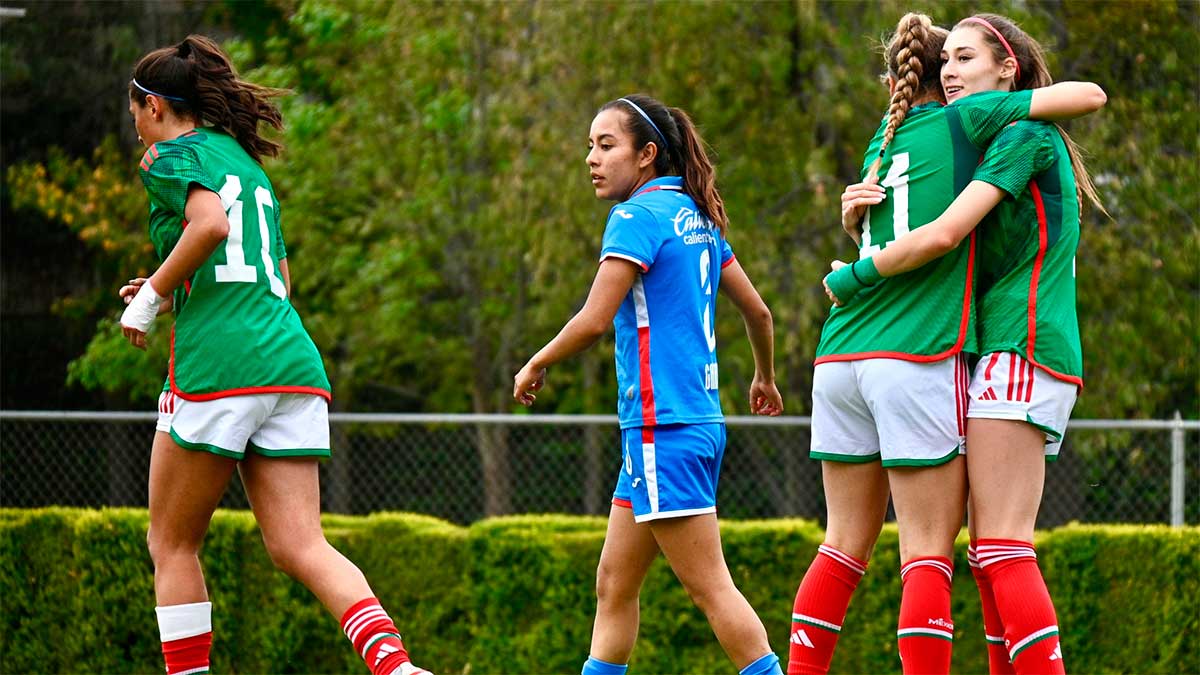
x,y
140,312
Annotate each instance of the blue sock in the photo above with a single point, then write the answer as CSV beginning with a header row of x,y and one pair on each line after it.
x,y
594,666
767,664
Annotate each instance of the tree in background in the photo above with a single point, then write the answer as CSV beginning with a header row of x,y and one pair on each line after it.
x,y
440,222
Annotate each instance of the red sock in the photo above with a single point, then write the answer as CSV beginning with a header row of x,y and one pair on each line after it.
x,y
993,628
186,634
820,608
187,655
374,636
925,634
1030,626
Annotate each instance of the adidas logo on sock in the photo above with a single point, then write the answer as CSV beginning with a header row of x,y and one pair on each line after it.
x,y
1057,655
385,650
801,638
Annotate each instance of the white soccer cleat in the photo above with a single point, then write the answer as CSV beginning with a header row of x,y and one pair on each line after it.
x,y
408,668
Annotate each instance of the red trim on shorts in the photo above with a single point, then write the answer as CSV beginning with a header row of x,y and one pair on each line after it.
x,y
1012,373
920,358
240,391
623,503
987,373
1029,386
647,382
647,435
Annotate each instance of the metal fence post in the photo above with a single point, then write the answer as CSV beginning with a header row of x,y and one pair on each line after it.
x,y
1177,472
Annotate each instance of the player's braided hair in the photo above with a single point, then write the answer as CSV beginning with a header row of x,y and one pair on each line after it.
x,y
684,155
1033,73
197,80
913,58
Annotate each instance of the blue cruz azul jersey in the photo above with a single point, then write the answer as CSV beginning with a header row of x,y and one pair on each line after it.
x,y
666,349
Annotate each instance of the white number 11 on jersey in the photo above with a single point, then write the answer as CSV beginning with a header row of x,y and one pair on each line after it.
x,y
235,269
897,179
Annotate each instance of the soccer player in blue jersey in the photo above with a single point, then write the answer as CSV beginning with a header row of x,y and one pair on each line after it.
x,y
662,260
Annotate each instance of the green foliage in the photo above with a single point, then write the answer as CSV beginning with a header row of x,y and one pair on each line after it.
x,y
516,595
442,227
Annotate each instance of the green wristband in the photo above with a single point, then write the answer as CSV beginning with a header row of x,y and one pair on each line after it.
x,y
846,282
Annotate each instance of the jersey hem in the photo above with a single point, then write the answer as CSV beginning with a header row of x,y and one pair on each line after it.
x,y
963,324
238,391
1025,354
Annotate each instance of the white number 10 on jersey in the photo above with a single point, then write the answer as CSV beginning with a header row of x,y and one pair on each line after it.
x,y
235,269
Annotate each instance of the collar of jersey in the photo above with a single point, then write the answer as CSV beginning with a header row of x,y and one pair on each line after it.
x,y
928,105
661,183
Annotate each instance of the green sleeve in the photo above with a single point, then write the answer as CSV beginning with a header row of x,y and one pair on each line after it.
x,y
168,171
1017,154
984,114
280,249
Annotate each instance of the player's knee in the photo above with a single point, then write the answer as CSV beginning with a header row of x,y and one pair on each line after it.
x,y
707,591
611,586
290,554
163,544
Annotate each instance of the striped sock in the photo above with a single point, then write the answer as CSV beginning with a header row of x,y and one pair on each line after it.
x,y
993,628
376,639
925,634
1030,626
186,633
820,608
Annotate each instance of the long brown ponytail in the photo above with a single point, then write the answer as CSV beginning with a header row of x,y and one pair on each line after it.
x,y
1032,72
197,80
913,58
684,153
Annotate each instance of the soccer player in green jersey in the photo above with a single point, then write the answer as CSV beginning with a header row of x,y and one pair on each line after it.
x,y
246,387
1026,382
889,390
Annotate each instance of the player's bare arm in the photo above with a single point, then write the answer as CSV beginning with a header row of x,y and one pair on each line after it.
x,y
760,329
611,285
1066,100
207,227
920,246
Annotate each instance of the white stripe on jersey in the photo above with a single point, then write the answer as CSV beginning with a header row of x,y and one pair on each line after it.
x,y
622,256
639,303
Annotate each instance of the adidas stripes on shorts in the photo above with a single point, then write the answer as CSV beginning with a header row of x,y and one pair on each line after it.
x,y
1008,387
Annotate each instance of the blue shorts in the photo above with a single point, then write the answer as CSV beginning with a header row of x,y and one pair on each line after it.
x,y
670,471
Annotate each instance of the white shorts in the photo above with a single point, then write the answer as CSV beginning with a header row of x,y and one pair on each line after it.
x,y
904,413
273,425
1008,387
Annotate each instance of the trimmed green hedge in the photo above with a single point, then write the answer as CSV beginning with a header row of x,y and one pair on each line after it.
x,y
515,595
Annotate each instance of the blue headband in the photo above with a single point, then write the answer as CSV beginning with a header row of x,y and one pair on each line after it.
x,y
169,98
666,145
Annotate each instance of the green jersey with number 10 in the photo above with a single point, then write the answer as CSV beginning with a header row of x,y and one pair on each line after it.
x,y
235,331
926,314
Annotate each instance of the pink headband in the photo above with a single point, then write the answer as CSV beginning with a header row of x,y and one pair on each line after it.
x,y
1007,47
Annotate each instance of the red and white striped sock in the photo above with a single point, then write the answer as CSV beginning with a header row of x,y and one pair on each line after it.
x,y
186,633
993,628
1030,625
925,633
820,609
376,639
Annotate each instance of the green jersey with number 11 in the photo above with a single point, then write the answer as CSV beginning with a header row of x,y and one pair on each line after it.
x,y
926,314
235,331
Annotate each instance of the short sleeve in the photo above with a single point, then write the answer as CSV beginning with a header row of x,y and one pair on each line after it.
x,y
167,173
726,254
1017,154
984,114
631,234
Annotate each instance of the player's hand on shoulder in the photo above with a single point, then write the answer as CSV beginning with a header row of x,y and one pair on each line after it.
x,y
765,398
526,382
855,200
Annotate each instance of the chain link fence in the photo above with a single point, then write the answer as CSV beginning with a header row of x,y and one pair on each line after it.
x,y
466,467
